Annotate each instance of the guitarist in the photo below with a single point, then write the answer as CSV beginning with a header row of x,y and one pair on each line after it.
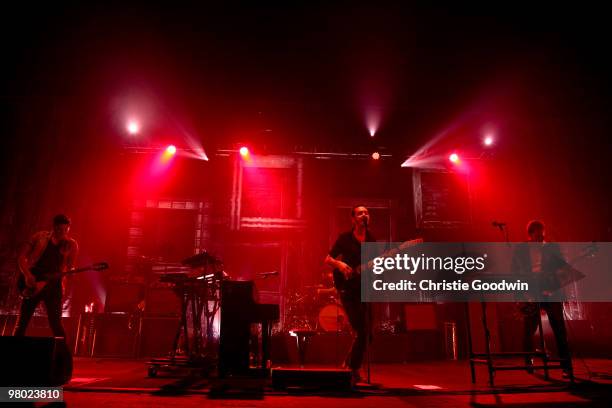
x,y
542,260
344,257
47,252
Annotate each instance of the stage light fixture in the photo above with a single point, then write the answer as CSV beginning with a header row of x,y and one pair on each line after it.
x,y
454,158
171,150
376,156
133,127
488,141
244,151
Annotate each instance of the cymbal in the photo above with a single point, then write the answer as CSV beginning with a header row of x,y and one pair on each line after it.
x,y
201,259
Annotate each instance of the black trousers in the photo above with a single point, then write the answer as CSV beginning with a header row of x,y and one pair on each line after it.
x,y
359,317
52,298
554,310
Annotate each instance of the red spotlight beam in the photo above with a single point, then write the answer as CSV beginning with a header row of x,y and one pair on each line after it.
x,y
190,153
438,161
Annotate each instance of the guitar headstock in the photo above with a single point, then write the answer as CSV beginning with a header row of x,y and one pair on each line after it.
x,y
411,243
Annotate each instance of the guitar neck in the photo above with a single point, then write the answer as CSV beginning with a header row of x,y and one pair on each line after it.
x,y
70,272
77,270
403,245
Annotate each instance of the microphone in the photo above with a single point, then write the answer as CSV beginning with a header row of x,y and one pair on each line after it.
x,y
499,225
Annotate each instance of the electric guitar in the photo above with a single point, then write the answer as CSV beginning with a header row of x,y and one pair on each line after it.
x,y
352,280
559,279
43,279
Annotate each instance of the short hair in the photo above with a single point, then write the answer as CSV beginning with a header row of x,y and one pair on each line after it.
x,y
61,219
534,225
356,206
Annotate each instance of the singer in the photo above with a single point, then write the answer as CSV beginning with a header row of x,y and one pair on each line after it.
x,y
345,258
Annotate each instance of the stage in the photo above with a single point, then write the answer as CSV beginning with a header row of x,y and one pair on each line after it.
x,y
263,192
124,383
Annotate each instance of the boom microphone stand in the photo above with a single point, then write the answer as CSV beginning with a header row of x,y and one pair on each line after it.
x,y
367,323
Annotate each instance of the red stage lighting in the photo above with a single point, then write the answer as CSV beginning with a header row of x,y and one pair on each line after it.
x,y
454,158
171,150
244,151
373,116
167,155
376,155
488,141
132,127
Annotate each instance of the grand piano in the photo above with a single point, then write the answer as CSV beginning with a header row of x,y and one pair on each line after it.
x,y
239,311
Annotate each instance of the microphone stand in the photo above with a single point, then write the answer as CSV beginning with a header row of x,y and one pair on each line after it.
x,y
367,322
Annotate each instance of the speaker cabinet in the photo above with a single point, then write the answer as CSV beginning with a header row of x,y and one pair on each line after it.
x,y
34,361
115,335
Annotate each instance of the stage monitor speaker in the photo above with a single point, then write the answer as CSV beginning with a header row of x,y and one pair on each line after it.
x,y
34,361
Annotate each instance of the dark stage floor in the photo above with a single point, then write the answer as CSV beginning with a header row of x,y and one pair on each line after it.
x,y
124,383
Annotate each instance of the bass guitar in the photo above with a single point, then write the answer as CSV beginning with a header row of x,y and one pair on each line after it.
x,y
43,279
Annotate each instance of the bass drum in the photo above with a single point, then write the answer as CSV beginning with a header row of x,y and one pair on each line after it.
x,y
332,317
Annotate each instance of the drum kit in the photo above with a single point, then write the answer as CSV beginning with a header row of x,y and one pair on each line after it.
x,y
316,308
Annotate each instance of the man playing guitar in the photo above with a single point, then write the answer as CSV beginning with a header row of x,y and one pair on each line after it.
x,y
47,253
543,260
345,258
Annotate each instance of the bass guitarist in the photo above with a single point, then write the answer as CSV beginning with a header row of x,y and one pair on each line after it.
x,y
47,253
542,260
